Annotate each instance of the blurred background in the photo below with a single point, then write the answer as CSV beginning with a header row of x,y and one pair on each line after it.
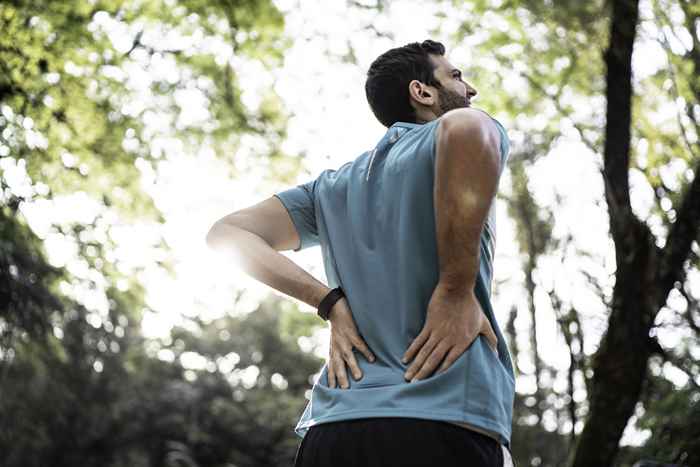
x,y
128,127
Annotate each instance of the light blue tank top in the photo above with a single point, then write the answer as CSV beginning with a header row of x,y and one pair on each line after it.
x,y
375,222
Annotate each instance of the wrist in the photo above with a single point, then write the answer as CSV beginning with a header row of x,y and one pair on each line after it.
x,y
329,302
456,289
331,313
319,294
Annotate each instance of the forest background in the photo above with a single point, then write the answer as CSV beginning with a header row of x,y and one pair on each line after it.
x,y
128,127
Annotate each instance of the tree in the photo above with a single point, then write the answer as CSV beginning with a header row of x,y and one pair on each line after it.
x,y
556,52
80,383
645,273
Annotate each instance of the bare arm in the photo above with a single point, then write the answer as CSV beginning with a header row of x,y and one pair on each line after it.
x,y
253,236
467,166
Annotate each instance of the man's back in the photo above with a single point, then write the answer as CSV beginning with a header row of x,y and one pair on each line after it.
x,y
374,219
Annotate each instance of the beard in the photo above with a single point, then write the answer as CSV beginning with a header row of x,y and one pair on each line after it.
x,y
451,100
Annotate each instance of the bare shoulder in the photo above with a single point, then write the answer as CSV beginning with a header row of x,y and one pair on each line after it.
x,y
468,118
470,123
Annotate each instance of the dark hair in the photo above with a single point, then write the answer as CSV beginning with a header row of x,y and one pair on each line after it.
x,y
388,76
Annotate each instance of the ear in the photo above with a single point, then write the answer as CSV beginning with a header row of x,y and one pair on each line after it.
x,y
420,93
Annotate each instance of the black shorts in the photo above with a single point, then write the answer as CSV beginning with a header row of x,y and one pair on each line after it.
x,y
396,441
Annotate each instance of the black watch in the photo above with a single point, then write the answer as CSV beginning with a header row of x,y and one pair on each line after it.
x,y
324,308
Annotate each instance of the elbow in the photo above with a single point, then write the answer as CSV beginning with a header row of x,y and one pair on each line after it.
x,y
212,236
225,233
217,233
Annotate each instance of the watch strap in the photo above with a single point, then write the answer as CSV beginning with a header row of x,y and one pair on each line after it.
x,y
326,305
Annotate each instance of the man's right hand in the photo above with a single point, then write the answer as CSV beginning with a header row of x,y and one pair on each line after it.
x,y
453,322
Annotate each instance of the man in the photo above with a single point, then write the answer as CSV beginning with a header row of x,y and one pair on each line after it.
x,y
407,233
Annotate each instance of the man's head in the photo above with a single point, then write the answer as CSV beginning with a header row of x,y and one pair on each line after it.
x,y
415,83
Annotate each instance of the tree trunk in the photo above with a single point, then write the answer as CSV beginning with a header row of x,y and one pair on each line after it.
x,y
620,362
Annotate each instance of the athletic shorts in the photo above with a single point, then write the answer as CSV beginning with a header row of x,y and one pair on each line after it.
x,y
398,441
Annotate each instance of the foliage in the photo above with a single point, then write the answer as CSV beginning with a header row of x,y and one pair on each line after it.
x,y
79,95
80,384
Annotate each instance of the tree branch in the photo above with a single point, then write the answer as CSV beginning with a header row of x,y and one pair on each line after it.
x,y
682,234
678,362
693,306
616,151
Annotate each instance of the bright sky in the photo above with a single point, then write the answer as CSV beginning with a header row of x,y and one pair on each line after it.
x,y
333,124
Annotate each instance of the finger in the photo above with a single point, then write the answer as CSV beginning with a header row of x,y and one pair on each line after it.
x,y
432,361
493,342
331,375
415,345
491,338
452,355
340,374
352,364
362,347
420,358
